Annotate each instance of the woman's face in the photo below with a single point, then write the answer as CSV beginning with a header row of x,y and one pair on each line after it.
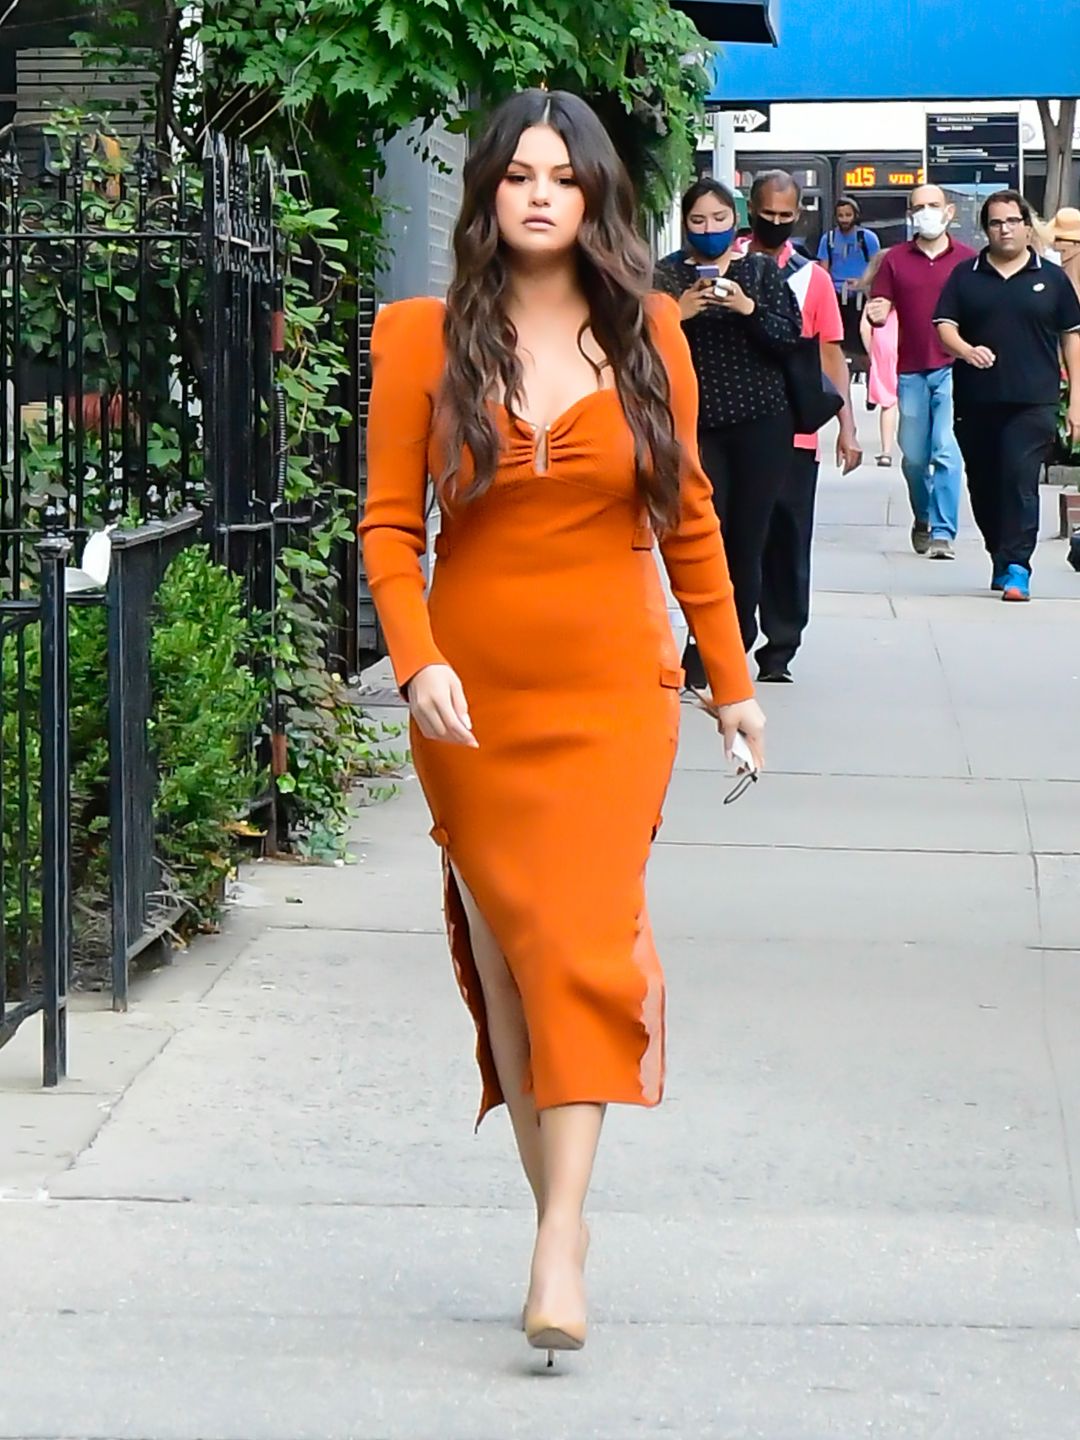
x,y
709,214
1067,249
539,205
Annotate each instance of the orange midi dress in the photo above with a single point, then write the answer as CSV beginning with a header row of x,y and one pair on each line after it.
x,y
546,601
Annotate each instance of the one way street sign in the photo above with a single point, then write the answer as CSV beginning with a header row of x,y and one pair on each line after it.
x,y
747,120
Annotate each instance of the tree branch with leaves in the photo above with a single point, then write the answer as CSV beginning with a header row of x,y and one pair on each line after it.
x,y
329,82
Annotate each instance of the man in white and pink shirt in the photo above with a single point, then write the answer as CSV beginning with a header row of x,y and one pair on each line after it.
x,y
775,202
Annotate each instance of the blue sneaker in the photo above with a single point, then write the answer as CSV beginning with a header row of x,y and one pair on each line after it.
x,y
999,574
1017,583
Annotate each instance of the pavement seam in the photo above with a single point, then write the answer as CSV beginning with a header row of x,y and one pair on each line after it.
x,y
1044,1016
819,849
319,1317
167,1039
891,775
315,928
1055,1074
1034,854
949,694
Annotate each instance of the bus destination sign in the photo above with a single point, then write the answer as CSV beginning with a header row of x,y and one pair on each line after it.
x,y
880,177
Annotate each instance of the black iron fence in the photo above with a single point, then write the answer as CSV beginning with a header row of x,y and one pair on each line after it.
x,y
263,526
99,348
244,423
35,859
145,906
141,347
100,371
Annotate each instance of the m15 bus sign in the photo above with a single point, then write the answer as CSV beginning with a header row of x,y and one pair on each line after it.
x,y
877,177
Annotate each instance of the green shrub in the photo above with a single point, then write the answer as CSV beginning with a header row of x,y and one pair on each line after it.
x,y
206,711
207,707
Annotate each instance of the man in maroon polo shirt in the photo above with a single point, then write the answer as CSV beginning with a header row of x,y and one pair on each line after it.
x,y
910,280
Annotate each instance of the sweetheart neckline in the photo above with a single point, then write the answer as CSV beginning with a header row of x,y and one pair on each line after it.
x,y
563,415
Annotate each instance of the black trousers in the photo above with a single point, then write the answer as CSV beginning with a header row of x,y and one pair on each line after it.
x,y
1004,449
785,570
746,463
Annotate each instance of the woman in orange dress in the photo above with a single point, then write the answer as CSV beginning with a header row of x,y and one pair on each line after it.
x,y
553,403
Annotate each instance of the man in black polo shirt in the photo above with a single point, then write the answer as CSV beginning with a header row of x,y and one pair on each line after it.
x,y
1010,317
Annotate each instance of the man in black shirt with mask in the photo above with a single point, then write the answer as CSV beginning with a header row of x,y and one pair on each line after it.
x,y
1008,316
775,202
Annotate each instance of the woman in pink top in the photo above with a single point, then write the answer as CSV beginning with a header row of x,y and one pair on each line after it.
x,y
882,342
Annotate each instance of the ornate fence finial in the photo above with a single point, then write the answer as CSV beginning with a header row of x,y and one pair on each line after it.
x,y
51,163
144,162
265,184
11,162
10,183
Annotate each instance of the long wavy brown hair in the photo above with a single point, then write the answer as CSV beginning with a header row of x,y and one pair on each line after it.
x,y
615,271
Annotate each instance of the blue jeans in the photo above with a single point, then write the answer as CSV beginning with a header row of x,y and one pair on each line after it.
x,y
932,465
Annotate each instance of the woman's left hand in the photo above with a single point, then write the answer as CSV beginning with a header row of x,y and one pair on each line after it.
x,y
748,717
735,298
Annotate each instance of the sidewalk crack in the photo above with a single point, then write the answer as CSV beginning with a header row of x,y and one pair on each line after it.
x,y
114,1105
949,695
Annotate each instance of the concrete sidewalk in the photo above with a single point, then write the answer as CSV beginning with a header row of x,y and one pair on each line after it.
x,y
258,1211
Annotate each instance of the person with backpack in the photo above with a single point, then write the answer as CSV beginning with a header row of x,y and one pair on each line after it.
x,y
775,205
845,251
741,322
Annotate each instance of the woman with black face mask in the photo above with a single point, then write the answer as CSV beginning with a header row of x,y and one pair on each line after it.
x,y
785,590
740,319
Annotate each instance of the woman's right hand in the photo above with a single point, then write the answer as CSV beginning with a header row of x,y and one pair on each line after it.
x,y
437,704
696,298
748,717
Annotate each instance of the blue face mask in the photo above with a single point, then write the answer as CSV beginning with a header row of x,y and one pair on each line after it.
x,y
712,243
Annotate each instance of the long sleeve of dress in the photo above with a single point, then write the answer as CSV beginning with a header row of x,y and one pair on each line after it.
x,y
694,552
394,529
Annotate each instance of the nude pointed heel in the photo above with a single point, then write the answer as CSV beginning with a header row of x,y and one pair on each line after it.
x,y
542,1334
586,1238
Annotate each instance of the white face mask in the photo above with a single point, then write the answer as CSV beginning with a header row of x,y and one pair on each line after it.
x,y
929,223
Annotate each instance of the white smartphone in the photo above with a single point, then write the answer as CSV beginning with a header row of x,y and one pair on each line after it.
x,y
722,287
742,754
740,750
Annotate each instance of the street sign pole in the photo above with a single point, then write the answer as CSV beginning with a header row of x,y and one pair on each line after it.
x,y
724,148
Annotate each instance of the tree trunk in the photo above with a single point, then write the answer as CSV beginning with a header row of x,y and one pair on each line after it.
x,y
1058,136
1067,123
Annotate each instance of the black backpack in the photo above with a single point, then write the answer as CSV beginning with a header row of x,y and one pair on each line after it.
x,y
813,398
795,262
